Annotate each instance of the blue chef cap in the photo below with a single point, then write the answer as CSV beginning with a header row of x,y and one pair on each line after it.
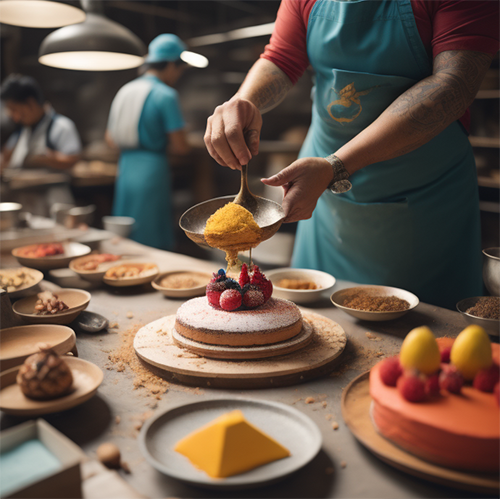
x,y
166,47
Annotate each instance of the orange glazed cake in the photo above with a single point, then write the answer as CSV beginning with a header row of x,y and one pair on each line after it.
x,y
439,400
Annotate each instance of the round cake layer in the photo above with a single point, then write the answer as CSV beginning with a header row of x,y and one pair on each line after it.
x,y
456,431
276,320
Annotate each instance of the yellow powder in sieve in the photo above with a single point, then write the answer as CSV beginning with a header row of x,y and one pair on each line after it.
x,y
232,228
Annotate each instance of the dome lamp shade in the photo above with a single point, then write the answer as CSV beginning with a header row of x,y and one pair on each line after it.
x,y
41,13
98,44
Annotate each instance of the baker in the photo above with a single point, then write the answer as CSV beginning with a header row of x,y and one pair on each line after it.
x,y
385,188
147,125
46,140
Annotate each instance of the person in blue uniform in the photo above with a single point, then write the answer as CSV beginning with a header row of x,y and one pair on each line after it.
x,y
146,124
386,187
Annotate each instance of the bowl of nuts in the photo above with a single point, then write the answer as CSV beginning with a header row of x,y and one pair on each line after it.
x,y
131,274
62,307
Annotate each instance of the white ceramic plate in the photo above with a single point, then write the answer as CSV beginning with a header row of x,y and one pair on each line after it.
x,y
71,250
339,297
290,427
33,278
323,281
182,292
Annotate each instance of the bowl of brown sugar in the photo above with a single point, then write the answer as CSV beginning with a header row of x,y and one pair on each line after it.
x,y
483,311
375,303
182,283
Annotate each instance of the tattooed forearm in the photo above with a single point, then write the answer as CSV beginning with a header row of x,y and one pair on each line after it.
x,y
421,113
435,102
266,85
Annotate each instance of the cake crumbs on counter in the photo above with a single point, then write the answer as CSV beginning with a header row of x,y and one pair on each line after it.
x,y
335,425
113,325
118,419
356,358
310,400
329,417
324,404
125,357
343,464
130,315
372,336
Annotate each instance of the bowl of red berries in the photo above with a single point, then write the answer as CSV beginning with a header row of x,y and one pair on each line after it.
x,y
251,290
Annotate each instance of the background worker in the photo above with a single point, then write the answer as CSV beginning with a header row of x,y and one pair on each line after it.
x,y
45,140
146,123
393,83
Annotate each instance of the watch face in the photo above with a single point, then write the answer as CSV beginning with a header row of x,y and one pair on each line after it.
x,y
341,186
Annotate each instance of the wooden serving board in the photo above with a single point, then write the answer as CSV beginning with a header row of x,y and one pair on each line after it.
x,y
155,346
355,405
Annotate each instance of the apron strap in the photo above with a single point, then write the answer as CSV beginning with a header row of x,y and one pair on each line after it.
x,y
125,113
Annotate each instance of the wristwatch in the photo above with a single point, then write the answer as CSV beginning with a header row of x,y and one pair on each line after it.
x,y
340,182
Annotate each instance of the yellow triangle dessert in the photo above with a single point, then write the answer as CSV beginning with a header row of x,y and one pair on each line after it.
x,y
229,445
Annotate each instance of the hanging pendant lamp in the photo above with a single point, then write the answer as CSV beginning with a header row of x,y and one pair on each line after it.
x,y
98,44
41,13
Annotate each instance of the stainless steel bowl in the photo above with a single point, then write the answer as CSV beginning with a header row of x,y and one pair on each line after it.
x,y
491,270
9,215
491,326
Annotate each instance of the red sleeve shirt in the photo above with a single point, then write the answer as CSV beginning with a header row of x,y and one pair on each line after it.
x,y
442,25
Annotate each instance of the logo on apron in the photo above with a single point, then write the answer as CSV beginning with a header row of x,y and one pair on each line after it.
x,y
348,107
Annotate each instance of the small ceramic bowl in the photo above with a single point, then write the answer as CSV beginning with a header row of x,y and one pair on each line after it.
x,y
491,270
339,298
32,278
491,326
71,250
197,290
91,275
121,282
121,226
76,299
323,281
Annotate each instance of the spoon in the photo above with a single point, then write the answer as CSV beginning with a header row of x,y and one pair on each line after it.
x,y
92,322
268,214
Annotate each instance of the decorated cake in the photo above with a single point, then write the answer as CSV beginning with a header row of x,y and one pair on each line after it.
x,y
439,399
239,313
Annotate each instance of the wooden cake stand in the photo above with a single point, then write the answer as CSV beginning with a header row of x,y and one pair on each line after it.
x,y
155,346
356,403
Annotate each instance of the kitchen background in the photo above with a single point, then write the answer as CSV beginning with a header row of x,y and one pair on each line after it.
x,y
85,97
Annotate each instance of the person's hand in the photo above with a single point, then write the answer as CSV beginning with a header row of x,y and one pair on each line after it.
x,y
303,182
233,133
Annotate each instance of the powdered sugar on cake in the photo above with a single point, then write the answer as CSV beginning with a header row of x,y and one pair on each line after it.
x,y
274,314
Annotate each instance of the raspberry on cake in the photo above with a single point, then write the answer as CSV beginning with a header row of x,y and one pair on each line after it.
x,y
254,290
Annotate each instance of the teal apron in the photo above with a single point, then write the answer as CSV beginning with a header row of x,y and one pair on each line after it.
x,y
410,222
143,191
143,187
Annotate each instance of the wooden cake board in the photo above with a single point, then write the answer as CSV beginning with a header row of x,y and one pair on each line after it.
x,y
355,405
155,346
246,353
